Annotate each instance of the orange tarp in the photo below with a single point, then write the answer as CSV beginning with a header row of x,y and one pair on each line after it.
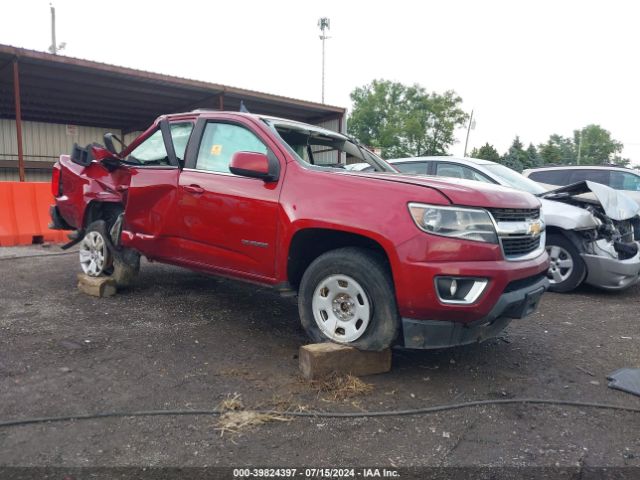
x,y
24,214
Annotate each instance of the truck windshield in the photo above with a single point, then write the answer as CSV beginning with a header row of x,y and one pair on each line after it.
x,y
319,147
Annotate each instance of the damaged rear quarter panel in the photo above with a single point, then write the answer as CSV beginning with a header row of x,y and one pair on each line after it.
x,y
84,185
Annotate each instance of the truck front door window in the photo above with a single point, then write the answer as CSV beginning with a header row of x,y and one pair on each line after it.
x,y
220,141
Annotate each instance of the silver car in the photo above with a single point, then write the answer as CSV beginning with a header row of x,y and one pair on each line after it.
x,y
618,178
592,230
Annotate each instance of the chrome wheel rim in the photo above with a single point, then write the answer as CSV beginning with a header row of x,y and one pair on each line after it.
x,y
560,264
94,254
341,308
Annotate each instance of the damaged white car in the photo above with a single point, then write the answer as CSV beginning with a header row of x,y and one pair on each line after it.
x,y
592,230
600,237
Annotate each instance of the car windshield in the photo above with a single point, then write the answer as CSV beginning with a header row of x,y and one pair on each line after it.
x,y
514,179
319,147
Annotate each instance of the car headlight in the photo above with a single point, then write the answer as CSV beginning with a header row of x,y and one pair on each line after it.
x,y
458,222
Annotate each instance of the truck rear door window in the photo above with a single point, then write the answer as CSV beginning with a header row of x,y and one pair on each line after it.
x,y
152,151
180,133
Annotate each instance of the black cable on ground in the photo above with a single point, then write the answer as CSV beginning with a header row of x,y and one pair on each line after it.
x,y
384,413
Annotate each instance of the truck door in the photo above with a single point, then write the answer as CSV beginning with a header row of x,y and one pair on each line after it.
x,y
228,222
149,220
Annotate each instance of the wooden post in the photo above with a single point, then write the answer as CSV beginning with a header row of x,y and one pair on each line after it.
x,y
97,286
320,359
16,95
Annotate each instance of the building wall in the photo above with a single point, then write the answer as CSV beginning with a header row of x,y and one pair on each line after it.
x,y
42,142
130,137
329,157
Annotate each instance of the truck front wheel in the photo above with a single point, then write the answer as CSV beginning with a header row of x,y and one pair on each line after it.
x,y
346,296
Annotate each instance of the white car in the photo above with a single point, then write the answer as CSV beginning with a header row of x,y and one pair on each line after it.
x,y
618,178
591,240
357,167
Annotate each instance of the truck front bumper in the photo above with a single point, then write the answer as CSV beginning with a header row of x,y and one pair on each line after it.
x,y
516,302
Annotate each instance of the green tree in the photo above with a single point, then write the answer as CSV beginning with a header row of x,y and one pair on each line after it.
x,y
558,150
486,152
405,120
516,157
592,144
596,146
533,157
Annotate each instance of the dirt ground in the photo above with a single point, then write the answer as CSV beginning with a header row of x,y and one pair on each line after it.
x,y
178,339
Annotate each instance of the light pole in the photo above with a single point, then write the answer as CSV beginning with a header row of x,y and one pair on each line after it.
x,y
580,145
325,24
470,127
54,48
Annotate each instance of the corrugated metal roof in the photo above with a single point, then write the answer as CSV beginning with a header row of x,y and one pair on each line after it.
x,y
61,89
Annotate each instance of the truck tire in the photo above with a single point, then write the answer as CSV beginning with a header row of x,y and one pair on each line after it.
x,y
98,256
567,269
347,296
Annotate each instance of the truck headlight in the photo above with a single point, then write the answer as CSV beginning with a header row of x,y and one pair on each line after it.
x,y
458,222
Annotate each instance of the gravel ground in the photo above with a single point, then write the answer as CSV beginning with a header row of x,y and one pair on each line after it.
x,y
178,339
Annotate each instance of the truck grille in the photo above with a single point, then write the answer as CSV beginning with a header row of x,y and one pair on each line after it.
x,y
518,238
515,214
518,246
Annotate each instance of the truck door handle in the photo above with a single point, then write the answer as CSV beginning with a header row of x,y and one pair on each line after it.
x,y
193,188
122,188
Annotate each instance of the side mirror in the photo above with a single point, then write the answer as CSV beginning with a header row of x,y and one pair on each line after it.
x,y
254,165
108,142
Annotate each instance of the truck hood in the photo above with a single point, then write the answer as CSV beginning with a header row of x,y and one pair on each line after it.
x,y
463,192
616,204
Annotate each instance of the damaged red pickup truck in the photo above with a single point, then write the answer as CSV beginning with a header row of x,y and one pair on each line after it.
x,y
376,258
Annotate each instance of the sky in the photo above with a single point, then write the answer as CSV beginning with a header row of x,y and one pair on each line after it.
x,y
527,68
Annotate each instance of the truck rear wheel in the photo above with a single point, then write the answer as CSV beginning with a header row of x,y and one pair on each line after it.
x,y
346,296
98,256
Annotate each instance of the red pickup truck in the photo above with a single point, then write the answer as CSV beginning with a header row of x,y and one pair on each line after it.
x,y
376,258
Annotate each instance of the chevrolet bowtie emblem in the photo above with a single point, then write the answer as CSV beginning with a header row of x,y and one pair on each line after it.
x,y
535,228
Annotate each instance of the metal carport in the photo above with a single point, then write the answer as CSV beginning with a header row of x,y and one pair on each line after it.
x,y
55,89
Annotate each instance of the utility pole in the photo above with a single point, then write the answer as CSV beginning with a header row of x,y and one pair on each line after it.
x,y
579,145
54,47
469,127
325,24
